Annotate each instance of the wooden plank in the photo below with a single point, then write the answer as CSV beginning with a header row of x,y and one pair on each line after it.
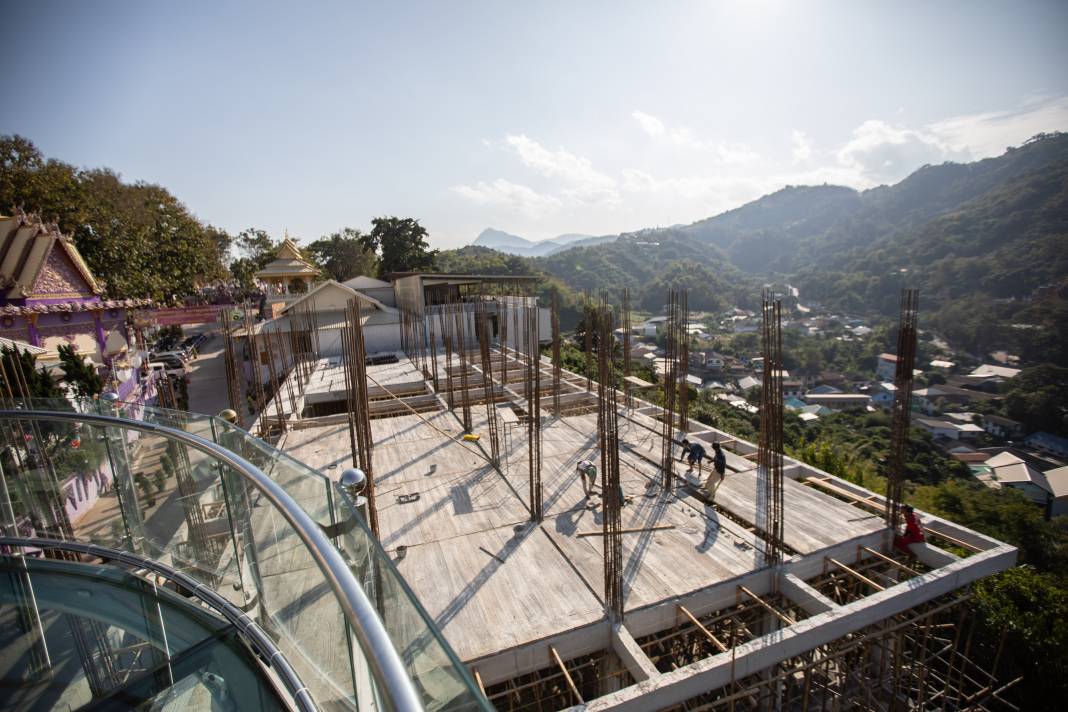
x,y
856,574
567,675
706,631
633,530
779,614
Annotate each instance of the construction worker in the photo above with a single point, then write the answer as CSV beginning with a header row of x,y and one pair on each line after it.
x,y
719,470
588,472
913,533
694,453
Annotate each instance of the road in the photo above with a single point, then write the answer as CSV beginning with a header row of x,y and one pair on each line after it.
x,y
207,379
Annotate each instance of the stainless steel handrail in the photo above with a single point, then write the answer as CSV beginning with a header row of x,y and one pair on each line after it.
x,y
251,630
384,661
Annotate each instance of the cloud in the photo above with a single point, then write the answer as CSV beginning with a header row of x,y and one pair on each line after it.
x,y
802,146
879,152
504,193
560,163
988,134
683,137
649,124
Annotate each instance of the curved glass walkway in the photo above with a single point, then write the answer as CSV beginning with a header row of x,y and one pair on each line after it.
x,y
157,559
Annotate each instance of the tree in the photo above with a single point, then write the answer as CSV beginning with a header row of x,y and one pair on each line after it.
x,y
79,374
342,255
138,240
22,366
401,245
257,249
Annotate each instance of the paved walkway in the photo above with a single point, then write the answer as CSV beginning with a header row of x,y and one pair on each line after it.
x,y
207,380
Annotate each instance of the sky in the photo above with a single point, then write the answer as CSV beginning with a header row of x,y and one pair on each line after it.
x,y
536,118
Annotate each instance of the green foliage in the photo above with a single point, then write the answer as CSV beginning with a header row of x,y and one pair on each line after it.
x,y
342,255
1038,398
19,366
257,250
1031,608
401,244
79,373
137,239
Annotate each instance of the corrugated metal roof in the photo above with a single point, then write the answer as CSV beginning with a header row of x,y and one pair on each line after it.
x,y
21,346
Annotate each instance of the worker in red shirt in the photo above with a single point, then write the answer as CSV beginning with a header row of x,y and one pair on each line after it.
x,y
913,530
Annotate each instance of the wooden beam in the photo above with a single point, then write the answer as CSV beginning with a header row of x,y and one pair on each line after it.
x,y
951,540
888,560
706,631
781,616
635,530
478,679
856,574
567,675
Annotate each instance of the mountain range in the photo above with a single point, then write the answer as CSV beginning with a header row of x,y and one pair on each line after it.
x,y
985,242
521,246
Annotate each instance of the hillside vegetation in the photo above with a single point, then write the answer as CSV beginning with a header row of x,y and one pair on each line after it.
x,y
985,243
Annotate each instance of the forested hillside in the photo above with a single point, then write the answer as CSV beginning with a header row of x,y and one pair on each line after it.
x,y
985,242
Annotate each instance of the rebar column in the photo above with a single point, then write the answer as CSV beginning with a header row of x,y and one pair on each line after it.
x,y
532,387
899,431
670,389
358,379
769,517
608,441
557,361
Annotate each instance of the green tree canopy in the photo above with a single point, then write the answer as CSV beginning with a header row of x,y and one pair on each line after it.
x,y
342,255
79,373
138,239
256,249
401,245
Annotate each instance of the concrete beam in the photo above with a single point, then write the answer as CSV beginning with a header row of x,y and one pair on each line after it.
x,y
529,657
812,601
639,665
931,555
714,672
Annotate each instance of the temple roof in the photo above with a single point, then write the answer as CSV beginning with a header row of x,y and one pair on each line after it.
x,y
288,262
38,261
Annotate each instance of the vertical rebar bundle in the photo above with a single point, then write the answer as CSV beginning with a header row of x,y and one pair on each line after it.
x,y
259,404
233,376
769,457
588,320
670,388
557,361
532,392
683,335
355,355
460,317
626,342
608,441
488,388
899,432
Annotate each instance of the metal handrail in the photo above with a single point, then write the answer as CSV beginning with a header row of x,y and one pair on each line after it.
x,y
257,638
384,661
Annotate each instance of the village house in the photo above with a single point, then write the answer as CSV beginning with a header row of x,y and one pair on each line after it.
x,y
1004,428
1007,470
1057,480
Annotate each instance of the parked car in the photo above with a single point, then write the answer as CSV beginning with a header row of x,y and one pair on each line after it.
x,y
182,354
169,369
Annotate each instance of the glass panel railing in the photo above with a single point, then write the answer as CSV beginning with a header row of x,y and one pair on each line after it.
x,y
173,502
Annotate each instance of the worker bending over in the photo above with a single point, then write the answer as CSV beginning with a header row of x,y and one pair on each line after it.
x,y
694,453
588,472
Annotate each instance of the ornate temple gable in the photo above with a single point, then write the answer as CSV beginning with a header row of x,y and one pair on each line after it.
x,y
289,251
60,277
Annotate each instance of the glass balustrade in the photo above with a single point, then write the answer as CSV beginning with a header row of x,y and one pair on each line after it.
x,y
146,492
